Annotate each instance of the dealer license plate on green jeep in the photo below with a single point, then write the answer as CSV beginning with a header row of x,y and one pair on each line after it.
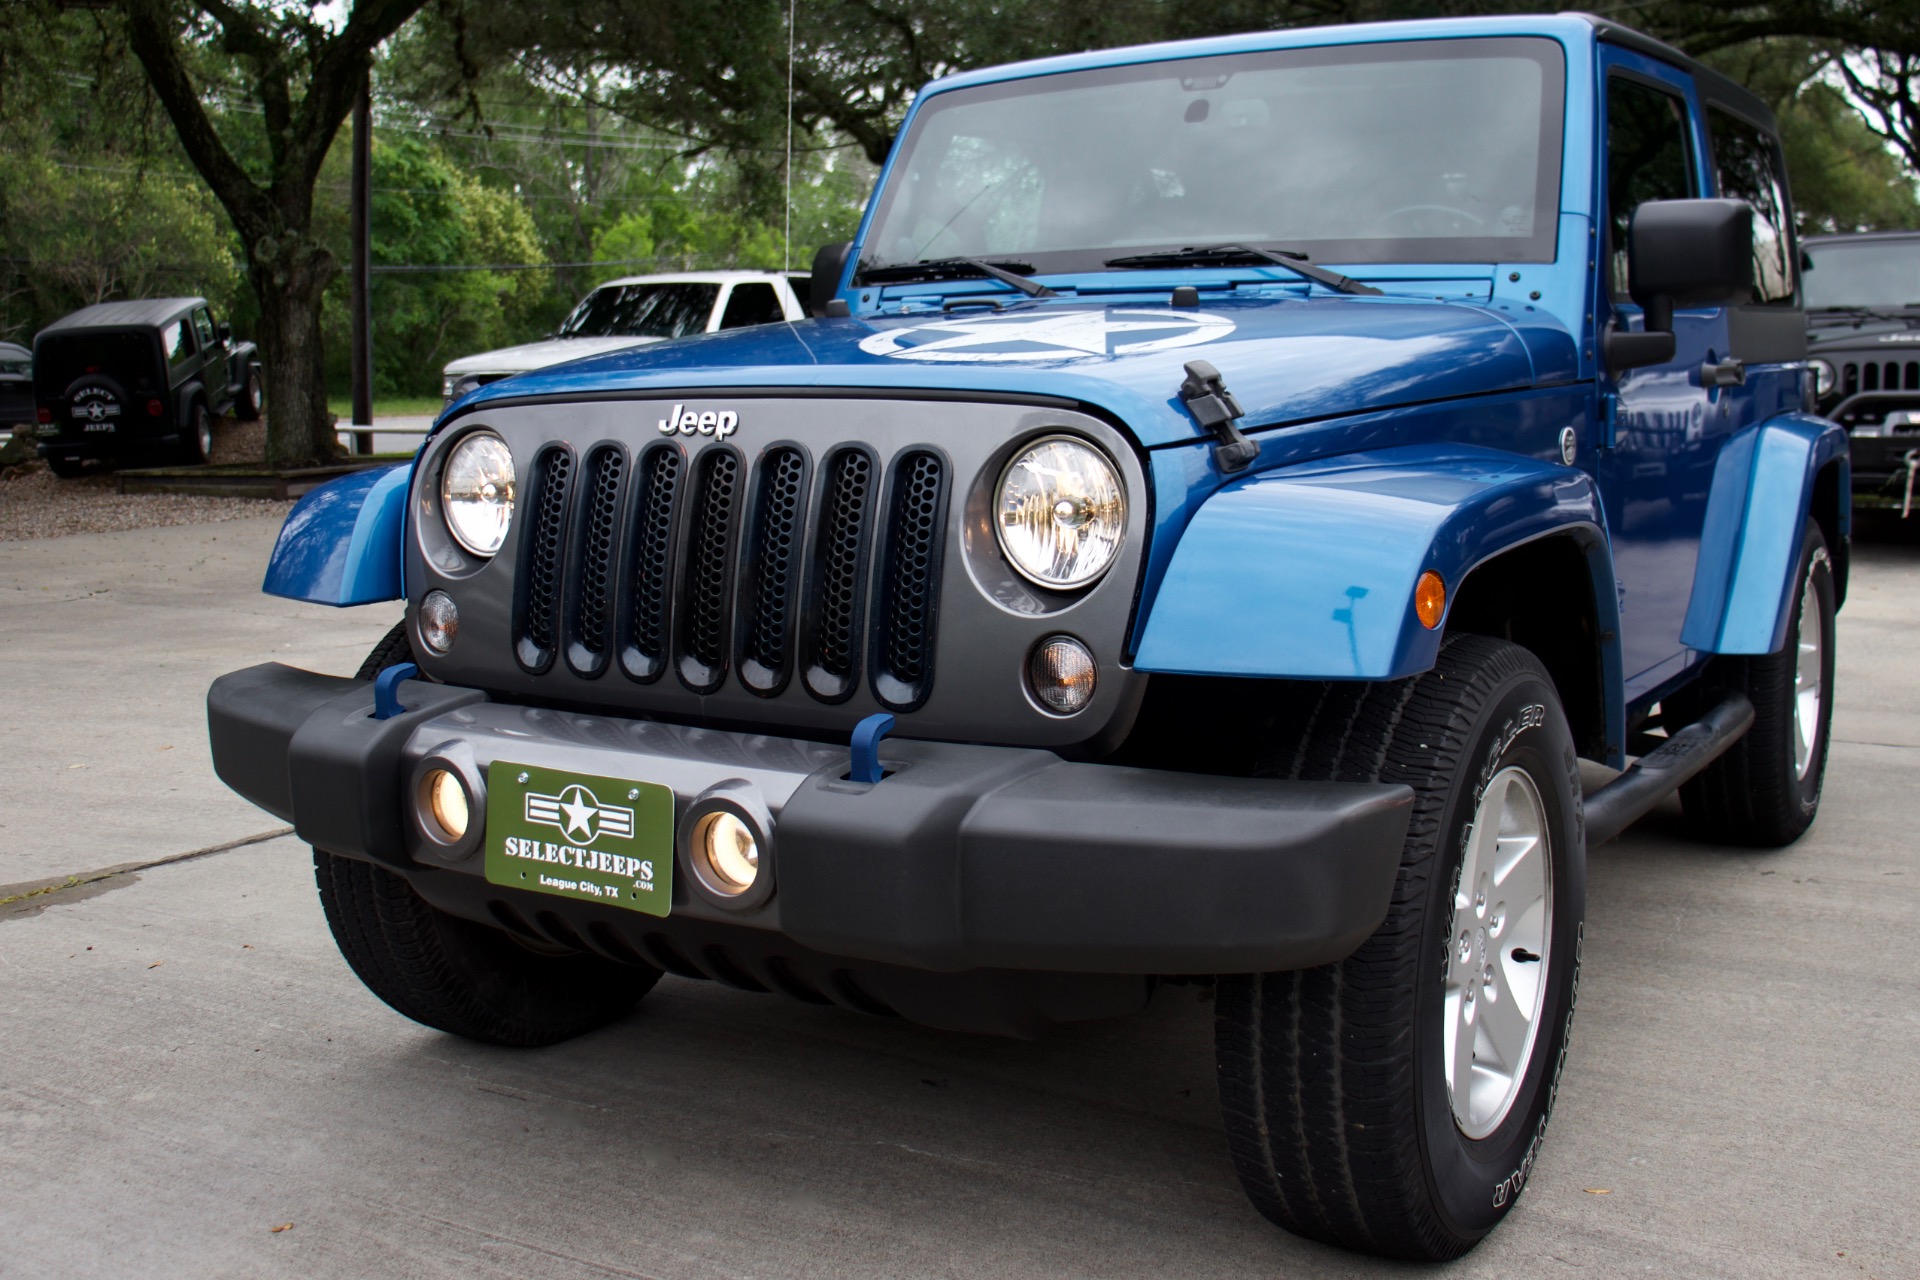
x,y
579,836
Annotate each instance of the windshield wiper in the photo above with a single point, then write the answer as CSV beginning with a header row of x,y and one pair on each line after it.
x,y
1221,253
960,268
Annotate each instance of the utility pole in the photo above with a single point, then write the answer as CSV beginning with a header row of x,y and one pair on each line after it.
x,y
360,214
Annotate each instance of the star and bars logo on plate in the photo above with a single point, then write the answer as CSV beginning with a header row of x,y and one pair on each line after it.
x,y
578,814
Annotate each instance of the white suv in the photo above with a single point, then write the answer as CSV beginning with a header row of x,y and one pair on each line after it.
x,y
633,312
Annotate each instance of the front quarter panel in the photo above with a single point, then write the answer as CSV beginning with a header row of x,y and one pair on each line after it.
x,y
342,544
1308,572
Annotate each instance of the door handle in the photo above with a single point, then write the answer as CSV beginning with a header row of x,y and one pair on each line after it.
x,y
1728,373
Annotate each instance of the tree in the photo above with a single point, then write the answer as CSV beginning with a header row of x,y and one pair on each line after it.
x,y
303,77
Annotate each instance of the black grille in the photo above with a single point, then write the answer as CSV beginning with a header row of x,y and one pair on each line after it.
x,y
839,575
644,654
706,565
771,571
590,577
1879,375
541,559
911,583
709,583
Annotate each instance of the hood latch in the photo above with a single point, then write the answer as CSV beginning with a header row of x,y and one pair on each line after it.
x,y
1214,408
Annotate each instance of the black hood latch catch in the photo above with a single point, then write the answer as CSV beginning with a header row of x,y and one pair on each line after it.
x,y
1213,407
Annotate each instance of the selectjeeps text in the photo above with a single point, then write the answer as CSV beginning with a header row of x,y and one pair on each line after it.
x,y
1227,490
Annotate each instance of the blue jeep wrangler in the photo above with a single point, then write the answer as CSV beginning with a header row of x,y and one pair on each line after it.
x,y
1228,493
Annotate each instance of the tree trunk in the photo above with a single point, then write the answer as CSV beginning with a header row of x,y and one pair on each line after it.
x,y
289,277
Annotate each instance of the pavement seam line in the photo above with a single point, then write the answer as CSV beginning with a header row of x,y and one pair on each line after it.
x,y
13,893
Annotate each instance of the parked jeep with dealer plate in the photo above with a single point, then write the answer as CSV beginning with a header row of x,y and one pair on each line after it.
x,y
1863,303
1228,490
120,380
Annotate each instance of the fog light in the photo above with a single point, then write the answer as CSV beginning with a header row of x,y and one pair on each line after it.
x,y
442,795
1062,674
731,855
439,621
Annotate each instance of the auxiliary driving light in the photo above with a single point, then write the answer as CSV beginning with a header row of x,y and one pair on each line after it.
x,y
445,799
1062,674
439,621
728,853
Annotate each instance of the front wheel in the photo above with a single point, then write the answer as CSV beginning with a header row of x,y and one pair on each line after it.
x,y
1395,1102
252,401
453,974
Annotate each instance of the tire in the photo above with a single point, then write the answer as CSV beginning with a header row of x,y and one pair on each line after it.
x,y
252,400
1765,790
196,443
453,974
1334,1081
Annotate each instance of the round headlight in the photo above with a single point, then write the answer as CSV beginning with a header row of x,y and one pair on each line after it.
x,y
476,492
1060,513
1823,377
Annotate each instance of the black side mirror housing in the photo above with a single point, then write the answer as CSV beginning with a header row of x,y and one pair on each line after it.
x,y
1681,253
829,264
225,331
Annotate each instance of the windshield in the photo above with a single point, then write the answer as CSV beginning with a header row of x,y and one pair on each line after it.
x,y
1863,273
642,311
1425,151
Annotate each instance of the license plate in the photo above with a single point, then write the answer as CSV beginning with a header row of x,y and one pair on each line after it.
x,y
580,836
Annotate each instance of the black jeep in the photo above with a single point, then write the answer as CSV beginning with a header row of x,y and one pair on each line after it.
x,y
1863,309
123,378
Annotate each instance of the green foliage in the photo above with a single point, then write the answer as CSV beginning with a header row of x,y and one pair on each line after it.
x,y
427,213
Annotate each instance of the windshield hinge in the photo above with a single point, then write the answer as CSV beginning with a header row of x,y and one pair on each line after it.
x,y
1214,408
1609,423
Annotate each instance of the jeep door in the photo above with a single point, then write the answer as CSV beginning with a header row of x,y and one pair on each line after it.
x,y
216,373
1661,429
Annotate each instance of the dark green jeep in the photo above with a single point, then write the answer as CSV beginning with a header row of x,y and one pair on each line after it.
x,y
120,379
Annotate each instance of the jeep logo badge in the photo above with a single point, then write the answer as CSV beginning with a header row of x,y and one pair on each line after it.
x,y
709,422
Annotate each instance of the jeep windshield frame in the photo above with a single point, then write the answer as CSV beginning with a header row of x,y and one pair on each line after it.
x,y
1441,150
1870,275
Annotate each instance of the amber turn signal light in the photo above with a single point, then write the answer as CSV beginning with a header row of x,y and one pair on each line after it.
x,y
1430,599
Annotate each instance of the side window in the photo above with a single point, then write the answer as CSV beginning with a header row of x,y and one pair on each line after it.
x,y
203,326
1747,165
175,341
751,304
1648,158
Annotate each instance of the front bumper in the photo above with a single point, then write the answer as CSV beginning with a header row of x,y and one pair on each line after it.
x,y
962,858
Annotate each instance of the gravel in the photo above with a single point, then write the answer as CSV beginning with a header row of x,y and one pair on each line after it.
x,y
34,503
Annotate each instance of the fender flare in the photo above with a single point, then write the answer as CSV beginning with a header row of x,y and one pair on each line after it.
x,y
183,397
342,545
1308,572
1743,581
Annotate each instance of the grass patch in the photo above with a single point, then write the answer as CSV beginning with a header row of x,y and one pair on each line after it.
x,y
393,407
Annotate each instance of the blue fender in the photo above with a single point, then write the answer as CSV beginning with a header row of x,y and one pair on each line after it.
x,y
342,544
1743,582
1308,571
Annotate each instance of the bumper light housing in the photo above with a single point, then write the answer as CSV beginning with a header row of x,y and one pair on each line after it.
x,y
439,621
1062,675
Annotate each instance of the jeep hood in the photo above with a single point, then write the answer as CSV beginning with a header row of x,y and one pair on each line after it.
x,y
538,355
1285,359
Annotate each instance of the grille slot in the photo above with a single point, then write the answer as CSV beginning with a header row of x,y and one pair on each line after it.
x,y
770,571
590,573
839,577
707,576
643,649
910,582
541,558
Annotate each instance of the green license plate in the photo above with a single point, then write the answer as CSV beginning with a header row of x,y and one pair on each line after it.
x,y
575,835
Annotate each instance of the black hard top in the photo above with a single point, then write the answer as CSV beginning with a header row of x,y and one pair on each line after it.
x,y
1717,87
136,312
1860,235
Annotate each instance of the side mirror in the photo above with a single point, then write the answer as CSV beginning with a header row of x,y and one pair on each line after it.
x,y
225,331
829,264
1681,253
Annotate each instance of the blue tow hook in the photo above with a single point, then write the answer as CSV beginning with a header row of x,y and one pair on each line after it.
x,y
386,690
865,747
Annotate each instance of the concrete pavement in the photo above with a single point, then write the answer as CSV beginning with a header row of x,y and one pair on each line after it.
x,y
186,1064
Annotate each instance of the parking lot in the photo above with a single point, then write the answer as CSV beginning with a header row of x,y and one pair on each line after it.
x,y
193,1084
